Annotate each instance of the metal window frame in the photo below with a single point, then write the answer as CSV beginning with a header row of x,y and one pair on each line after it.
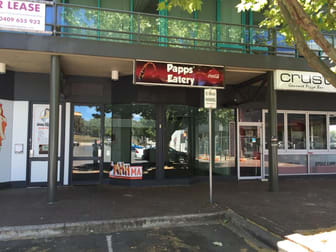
x,y
260,126
61,148
73,158
307,152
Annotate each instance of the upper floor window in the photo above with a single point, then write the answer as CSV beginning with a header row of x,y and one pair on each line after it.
x,y
227,11
145,6
208,11
93,3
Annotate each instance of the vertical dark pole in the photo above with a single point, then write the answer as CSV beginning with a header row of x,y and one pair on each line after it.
x,y
55,18
190,139
53,127
273,33
160,143
273,136
101,145
213,135
210,155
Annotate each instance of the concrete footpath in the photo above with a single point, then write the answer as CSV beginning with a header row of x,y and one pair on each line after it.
x,y
303,205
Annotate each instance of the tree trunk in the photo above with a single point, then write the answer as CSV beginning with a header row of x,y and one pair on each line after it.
x,y
314,61
305,22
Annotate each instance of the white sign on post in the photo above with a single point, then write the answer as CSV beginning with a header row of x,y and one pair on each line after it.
x,y
22,16
210,98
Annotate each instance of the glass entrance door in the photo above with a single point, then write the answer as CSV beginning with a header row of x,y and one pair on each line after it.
x,y
38,145
87,144
250,152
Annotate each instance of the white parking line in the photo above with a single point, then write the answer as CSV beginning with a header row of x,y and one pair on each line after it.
x,y
109,243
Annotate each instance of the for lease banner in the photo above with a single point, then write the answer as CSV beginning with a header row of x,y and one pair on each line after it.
x,y
177,74
19,15
301,81
122,170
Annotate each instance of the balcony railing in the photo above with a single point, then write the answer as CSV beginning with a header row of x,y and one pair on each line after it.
x,y
75,21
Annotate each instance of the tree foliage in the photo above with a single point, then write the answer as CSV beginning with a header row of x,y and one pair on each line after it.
x,y
299,20
321,14
187,5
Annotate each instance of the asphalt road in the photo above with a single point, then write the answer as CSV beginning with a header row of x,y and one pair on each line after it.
x,y
210,238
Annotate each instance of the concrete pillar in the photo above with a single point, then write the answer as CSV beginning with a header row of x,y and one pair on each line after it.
x,y
161,145
54,92
273,136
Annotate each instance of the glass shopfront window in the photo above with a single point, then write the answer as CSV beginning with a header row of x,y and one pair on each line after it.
x,y
86,143
250,151
289,164
202,143
178,148
130,137
224,142
110,140
86,131
317,132
280,129
320,126
321,135
248,114
113,141
296,131
323,163
293,164
332,131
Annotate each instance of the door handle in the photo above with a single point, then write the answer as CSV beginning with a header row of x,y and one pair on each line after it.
x,y
31,153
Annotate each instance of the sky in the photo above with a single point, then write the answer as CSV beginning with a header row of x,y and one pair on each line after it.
x,y
88,111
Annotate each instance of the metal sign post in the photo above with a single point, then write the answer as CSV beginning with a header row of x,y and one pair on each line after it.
x,y
210,102
210,153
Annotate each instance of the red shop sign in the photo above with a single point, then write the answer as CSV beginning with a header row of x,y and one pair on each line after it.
x,y
176,74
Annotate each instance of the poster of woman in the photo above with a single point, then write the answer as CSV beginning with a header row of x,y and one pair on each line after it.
x,y
40,133
3,124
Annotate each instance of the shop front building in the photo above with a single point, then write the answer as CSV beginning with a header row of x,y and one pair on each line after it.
x,y
115,126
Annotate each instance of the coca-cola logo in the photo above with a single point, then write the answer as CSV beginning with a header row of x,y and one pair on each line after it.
x,y
213,76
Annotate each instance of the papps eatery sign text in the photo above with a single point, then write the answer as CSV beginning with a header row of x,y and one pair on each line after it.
x,y
301,81
176,74
22,16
